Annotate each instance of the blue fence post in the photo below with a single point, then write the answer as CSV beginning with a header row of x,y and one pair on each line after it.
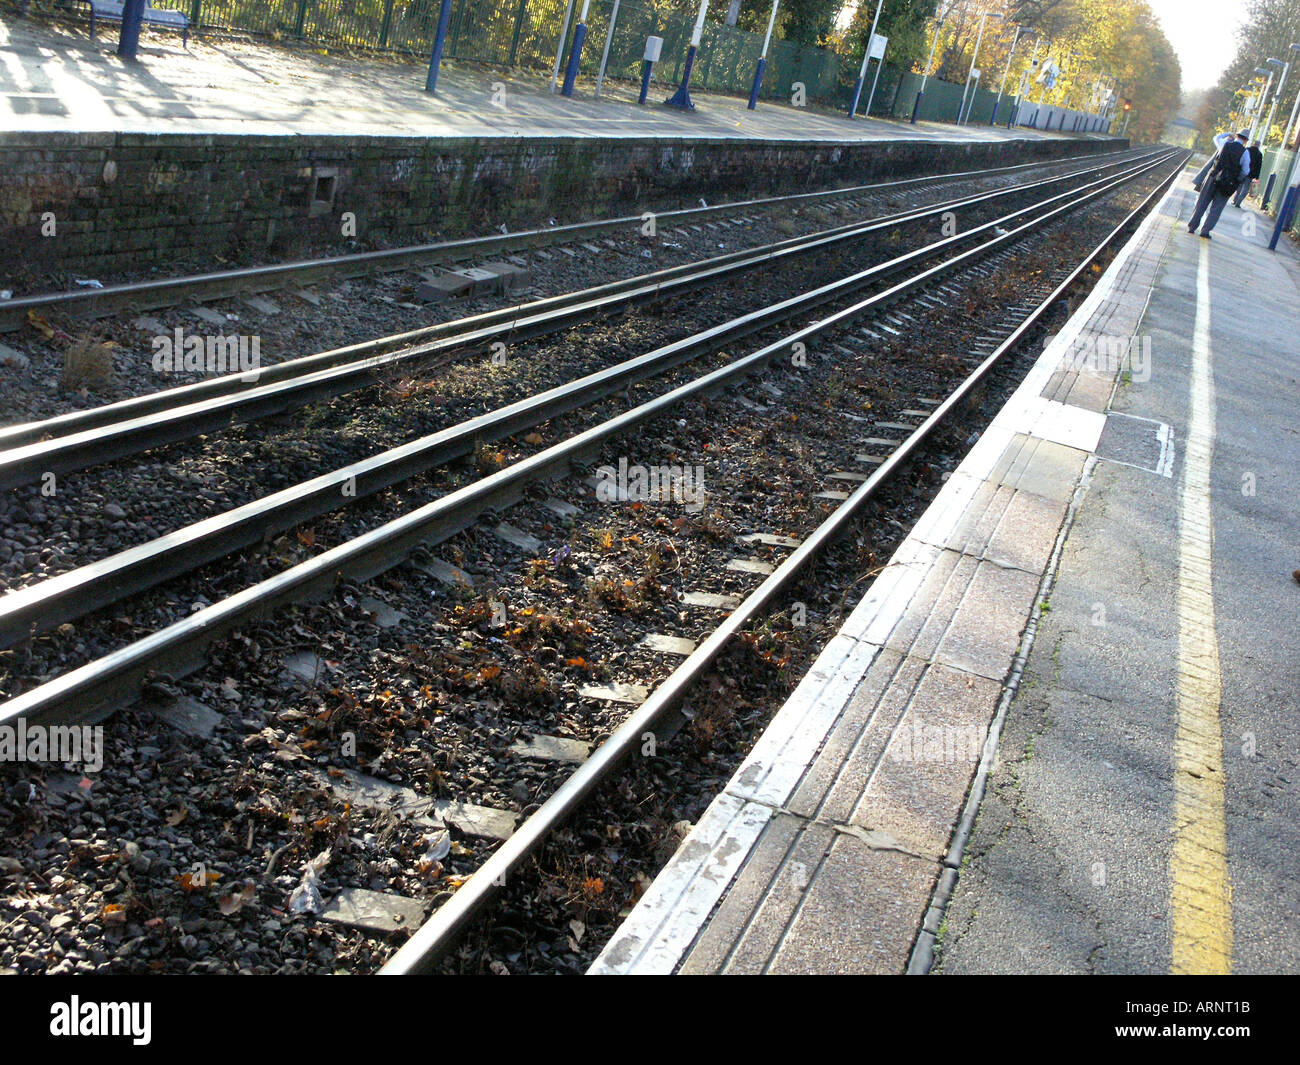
x,y
132,17
439,40
575,51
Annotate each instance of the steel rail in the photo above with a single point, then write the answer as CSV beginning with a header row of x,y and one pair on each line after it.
x,y
103,434
148,295
441,931
89,692
49,603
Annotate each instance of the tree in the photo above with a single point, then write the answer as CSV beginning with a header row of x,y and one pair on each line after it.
x,y
1083,37
905,22
1271,27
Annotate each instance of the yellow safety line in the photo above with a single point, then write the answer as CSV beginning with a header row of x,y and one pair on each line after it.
x,y
1200,892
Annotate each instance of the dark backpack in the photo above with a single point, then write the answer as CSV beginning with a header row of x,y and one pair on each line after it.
x,y
1227,175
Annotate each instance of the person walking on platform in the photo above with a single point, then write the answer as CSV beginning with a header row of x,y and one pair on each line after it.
x,y
1230,171
1220,139
1256,165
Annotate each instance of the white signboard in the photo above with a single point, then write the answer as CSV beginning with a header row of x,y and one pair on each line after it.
x,y
878,45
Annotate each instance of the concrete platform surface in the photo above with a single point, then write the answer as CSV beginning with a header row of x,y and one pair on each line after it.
x,y
55,78
1105,585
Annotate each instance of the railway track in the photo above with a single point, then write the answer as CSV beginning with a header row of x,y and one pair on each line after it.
x,y
69,442
54,601
88,691
198,288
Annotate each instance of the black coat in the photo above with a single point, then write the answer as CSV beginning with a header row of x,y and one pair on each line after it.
x,y
1256,162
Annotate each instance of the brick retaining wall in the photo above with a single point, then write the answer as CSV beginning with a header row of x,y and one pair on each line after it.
x,y
125,202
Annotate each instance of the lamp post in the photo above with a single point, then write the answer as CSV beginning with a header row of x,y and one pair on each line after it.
x,y
1024,80
970,74
575,51
1042,92
682,97
762,59
604,56
1281,85
925,74
1006,73
1259,108
1286,136
866,58
439,41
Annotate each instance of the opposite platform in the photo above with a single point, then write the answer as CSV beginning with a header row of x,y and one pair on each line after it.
x,y
55,79
839,839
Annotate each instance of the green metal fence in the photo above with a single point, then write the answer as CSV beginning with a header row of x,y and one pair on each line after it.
x,y
1276,163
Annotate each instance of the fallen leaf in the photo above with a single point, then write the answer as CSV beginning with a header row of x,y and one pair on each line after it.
x,y
236,900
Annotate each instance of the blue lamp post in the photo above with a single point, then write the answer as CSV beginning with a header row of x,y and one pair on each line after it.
x,y
575,52
439,40
762,59
682,97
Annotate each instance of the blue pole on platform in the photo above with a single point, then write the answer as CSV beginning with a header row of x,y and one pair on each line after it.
x,y
1268,191
575,54
761,66
758,83
439,40
646,67
857,95
682,97
132,18
1284,216
916,105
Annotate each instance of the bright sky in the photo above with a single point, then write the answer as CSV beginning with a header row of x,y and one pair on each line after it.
x,y
1203,33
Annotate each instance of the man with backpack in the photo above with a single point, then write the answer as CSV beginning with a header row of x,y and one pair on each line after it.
x,y
1256,165
1220,139
1230,170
